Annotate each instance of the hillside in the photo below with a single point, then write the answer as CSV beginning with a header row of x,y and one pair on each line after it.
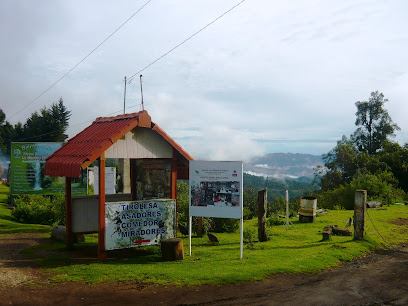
x,y
283,165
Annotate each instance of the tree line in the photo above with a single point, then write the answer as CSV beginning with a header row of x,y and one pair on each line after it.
x,y
368,159
47,125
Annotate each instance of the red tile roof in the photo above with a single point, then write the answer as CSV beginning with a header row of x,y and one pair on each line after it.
x,y
84,148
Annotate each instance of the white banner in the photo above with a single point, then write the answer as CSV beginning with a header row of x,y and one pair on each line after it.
x,y
138,223
216,189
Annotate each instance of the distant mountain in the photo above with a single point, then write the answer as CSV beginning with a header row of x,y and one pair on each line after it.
x,y
284,165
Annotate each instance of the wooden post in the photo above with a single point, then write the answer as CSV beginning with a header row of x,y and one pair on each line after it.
x,y
68,213
173,181
101,209
262,215
360,203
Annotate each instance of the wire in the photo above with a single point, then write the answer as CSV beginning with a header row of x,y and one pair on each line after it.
x,y
184,41
72,126
69,71
392,246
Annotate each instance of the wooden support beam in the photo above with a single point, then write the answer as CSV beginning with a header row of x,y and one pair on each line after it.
x,y
68,213
173,181
101,209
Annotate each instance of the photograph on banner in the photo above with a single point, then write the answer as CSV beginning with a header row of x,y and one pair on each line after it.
x,y
216,189
27,164
139,223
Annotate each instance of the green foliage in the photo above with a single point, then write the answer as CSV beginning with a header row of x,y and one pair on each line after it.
x,y
249,235
48,125
374,124
38,209
381,186
275,220
7,224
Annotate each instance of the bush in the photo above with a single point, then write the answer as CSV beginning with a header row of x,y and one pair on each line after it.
x,y
39,209
275,220
249,235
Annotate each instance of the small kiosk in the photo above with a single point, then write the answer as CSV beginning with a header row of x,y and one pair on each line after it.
x,y
149,164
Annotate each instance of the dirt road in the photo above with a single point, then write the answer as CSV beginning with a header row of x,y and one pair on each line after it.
x,y
376,279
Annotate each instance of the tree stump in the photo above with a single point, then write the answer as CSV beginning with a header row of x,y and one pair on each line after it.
x,y
172,249
327,232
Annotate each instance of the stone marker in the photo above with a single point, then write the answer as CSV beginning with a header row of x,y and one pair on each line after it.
x,y
172,249
373,204
59,232
360,204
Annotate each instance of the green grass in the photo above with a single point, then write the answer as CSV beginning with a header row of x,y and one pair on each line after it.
x,y
297,250
7,225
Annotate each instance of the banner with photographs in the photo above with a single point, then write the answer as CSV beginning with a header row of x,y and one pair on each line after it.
x,y
216,189
139,223
27,170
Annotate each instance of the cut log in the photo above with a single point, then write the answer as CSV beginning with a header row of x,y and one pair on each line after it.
x,y
341,231
335,230
172,249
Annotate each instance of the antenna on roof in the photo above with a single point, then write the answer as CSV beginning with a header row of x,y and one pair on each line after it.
x,y
141,91
124,99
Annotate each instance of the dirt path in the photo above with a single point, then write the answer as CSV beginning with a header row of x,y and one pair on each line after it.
x,y
379,278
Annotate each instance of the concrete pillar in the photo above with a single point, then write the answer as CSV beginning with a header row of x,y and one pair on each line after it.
x,y
360,204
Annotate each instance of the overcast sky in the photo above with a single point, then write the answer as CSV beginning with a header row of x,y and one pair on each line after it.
x,y
270,76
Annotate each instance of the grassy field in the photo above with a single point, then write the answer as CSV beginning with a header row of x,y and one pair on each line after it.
x,y
294,250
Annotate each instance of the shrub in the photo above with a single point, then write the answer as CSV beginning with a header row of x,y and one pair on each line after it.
x,y
39,209
275,220
249,235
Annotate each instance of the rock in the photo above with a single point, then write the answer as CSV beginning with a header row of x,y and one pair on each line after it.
x,y
59,233
373,204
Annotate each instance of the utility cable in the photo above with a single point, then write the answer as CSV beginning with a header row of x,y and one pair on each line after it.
x,y
72,126
69,71
392,246
184,41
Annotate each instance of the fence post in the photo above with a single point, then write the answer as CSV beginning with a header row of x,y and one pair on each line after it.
x,y
262,215
360,204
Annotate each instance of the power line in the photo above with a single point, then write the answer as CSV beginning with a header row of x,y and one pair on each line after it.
x,y
72,126
69,71
184,41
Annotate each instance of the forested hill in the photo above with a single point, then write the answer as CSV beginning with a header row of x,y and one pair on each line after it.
x,y
284,165
277,187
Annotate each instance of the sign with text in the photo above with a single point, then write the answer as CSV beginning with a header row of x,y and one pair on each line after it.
x,y
139,223
216,189
110,180
27,170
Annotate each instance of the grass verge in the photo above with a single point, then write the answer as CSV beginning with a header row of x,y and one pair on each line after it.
x,y
298,249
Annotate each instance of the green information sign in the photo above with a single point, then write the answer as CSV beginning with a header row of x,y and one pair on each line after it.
x,y
27,170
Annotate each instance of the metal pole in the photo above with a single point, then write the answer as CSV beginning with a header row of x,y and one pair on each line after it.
x,y
124,99
190,224
141,91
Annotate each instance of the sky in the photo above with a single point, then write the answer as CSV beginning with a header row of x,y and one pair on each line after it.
x,y
269,76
